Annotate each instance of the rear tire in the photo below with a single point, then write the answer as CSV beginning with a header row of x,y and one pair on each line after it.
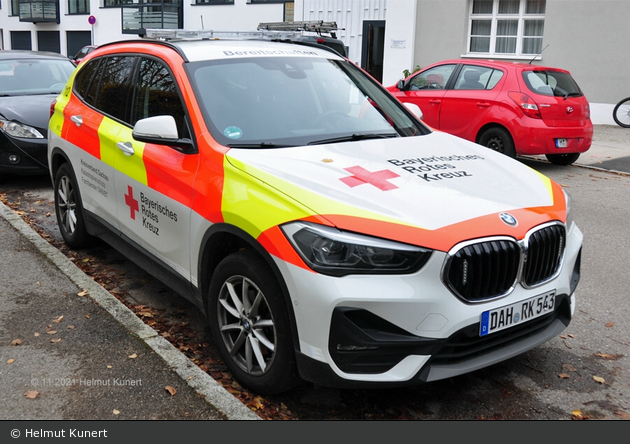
x,y
250,324
562,159
69,209
498,139
621,113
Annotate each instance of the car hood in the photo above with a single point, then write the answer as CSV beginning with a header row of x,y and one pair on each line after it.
x,y
400,188
30,110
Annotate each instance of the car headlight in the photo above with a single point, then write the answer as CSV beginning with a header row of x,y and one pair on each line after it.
x,y
338,253
569,202
16,129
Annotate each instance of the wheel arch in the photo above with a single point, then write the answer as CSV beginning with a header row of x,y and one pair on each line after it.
x,y
491,125
57,158
223,239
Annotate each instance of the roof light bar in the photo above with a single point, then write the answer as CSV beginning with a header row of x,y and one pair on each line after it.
x,y
317,26
184,34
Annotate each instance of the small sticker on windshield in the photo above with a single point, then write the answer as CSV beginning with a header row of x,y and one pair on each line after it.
x,y
233,132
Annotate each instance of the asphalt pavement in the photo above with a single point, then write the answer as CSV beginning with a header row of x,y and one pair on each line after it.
x,y
69,350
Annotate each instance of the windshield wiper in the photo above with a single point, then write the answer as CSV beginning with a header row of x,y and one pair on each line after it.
x,y
257,145
354,137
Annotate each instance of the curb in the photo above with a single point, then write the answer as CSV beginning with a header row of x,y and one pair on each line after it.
x,y
200,381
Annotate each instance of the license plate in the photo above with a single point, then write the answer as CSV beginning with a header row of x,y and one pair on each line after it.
x,y
561,143
511,315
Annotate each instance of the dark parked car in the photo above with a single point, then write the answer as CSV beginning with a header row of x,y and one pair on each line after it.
x,y
82,53
29,82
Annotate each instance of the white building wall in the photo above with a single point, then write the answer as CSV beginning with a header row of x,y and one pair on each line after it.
x,y
349,15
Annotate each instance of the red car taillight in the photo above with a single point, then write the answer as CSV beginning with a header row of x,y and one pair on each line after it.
x,y
52,107
526,103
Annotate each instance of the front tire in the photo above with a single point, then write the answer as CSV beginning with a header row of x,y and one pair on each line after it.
x,y
69,209
562,159
250,324
498,139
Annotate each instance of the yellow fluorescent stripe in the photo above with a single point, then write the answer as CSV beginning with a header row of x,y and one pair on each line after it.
x,y
110,133
547,183
248,202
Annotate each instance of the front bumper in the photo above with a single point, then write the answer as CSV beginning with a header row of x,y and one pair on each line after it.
x,y
364,331
23,156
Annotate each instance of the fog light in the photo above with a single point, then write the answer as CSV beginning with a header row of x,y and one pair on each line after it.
x,y
14,159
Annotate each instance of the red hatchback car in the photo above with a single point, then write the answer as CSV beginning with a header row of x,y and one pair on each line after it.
x,y
514,108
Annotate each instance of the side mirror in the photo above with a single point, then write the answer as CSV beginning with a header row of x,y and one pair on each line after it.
x,y
161,130
401,85
415,109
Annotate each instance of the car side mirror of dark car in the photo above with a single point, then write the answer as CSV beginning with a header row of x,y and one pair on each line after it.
x,y
160,130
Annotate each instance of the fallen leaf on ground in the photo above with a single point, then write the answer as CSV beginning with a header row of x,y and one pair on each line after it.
x,y
58,320
134,356
171,390
116,412
36,334
564,376
16,342
71,327
31,394
51,332
606,356
571,336
10,361
599,379
83,293
623,415
54,341
576,414
610,324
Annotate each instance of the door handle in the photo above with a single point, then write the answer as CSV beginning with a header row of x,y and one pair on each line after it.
x,y
435,102
483,104
126,147
78,120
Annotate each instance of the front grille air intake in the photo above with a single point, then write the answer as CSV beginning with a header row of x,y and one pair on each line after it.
x,y
490,268
545,249
484,270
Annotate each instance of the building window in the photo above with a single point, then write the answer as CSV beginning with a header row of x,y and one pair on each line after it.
x,y
506,27
78,6
214,2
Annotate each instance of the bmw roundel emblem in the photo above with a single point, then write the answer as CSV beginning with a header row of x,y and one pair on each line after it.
x,y
508,219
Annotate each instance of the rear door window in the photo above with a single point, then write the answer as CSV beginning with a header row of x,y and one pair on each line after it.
x,y
477,77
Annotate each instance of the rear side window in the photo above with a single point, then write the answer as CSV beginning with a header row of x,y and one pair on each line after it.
x,y
115,86
551,83
85,83
478,77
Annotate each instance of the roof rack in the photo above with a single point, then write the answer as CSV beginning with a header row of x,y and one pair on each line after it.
x,y
317,26
184,34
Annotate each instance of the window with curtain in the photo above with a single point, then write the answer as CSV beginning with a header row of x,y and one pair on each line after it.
x,y
78,6
506,27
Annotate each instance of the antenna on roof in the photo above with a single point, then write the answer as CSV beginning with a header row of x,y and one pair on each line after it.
x,y
538,55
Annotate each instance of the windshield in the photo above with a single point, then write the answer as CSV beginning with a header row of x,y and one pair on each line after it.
x,y
289,101
33,76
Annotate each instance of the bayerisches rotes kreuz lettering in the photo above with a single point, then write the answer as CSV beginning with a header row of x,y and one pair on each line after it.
x,y
435,168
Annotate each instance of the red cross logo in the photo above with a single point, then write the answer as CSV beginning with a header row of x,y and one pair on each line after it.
x,y
378,178
133,203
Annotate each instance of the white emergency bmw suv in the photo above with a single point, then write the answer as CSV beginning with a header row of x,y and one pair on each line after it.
x,y
326,232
